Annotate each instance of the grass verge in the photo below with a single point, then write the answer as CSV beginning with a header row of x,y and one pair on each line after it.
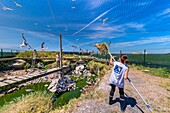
x,y
161,72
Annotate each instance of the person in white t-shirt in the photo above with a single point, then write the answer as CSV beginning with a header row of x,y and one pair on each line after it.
x,y
57,60
119,73
34,58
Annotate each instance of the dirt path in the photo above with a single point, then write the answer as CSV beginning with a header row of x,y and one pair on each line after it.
x,y
155,90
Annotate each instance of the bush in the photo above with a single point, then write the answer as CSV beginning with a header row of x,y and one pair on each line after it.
x,y
27,66
96,66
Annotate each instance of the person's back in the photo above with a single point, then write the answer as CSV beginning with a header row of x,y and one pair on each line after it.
x,y
117,76
119,73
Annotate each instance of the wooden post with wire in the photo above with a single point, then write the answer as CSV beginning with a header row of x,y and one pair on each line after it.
x,y
1,52
61,56
144,57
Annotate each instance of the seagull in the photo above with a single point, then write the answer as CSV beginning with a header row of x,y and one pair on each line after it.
x,y
25,43
18,5
81,49
6,8
104,20
87,51
74,47
42,46
109,43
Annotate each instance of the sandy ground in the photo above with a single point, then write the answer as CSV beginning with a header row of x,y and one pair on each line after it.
x,y
155,91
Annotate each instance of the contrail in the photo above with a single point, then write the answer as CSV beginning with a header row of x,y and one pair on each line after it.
x,y
93,21
114,21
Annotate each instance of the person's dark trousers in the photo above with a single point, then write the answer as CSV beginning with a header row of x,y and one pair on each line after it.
x,y
112,91
121,92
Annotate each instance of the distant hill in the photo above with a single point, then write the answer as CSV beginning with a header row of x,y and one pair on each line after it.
x,y
136,53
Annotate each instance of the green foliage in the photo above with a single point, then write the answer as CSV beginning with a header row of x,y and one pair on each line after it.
x,y
19,93
161,72
26,54
73,67
95,66
27,66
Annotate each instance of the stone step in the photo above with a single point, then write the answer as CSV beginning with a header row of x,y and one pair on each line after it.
x,y
23,78
3,84
9,81
17,79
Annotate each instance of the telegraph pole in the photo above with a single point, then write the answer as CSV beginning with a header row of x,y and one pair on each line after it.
x,y
61,56
61,51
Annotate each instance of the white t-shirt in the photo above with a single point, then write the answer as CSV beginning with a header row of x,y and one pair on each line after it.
x,y
117,76
57,57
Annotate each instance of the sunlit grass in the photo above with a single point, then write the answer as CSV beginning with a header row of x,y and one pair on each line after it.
x,y
161,72
36,102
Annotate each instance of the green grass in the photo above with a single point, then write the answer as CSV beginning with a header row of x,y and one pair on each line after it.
x,y
161,72
66,97
19,93
29,54
35,102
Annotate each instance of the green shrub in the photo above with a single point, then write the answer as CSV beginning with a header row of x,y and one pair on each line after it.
x,y
27,66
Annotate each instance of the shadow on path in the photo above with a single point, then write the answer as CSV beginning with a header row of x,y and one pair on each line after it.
x,y
128,101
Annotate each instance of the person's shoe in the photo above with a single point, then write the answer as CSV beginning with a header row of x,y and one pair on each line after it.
x,y
110,100
122,97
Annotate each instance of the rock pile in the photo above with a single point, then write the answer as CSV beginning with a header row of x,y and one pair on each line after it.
x,y
63,84
18,63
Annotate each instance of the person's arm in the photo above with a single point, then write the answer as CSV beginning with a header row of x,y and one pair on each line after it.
x,y
111,61
126,74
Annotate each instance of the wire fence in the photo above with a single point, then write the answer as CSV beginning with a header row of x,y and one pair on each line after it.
x,y
7,53
146,57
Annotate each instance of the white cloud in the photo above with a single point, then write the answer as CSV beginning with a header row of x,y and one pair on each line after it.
x,y
108,31
42,35
150,40
144,3
135,25
7,45
93,4
166,11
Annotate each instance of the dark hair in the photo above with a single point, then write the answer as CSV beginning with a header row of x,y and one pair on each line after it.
x,y
123,57
126,61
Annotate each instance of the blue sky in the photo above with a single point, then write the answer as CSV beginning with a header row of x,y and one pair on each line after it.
x,y
131,25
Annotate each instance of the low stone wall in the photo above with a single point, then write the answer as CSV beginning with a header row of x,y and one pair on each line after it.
x,y
13,83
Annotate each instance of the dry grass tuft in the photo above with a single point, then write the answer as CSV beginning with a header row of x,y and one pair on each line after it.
x,y
34,103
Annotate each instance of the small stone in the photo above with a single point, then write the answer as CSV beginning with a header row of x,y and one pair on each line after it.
x,y
29,90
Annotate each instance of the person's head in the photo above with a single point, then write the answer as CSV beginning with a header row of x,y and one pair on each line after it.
x,y
126,61
122,58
